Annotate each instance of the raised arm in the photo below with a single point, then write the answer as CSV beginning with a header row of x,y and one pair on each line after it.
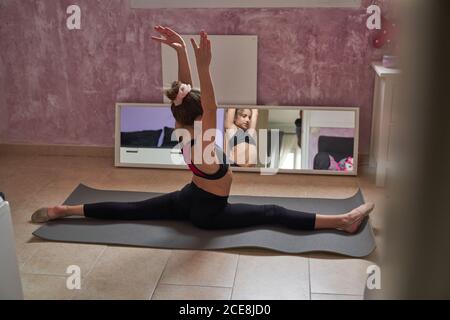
x,y
203,58
175,41
184,71
254,119
229,118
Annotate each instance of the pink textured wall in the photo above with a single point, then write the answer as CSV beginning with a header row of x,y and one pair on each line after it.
x,y
59,86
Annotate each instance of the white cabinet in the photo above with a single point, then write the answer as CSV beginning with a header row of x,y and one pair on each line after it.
x,y
10,284
384,118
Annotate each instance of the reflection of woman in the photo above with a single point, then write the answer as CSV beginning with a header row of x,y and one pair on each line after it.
x,y
240,136
204,201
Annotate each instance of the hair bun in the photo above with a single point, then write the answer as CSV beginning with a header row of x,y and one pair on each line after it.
x,y
173,91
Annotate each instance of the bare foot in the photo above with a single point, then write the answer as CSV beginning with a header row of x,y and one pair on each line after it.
x,y
354,218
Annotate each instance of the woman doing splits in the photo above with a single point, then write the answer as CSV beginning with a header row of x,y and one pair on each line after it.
x,y
203,201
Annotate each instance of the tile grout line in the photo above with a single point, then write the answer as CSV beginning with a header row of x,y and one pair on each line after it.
x,y
235,274
194,285
74,294
309,277
160,276
96,260
29,258
58,274
45,274
338,294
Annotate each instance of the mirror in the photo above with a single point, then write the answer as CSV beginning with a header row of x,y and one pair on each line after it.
x,y
255,138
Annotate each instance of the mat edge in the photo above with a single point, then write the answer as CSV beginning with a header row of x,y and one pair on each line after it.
x,y
354,196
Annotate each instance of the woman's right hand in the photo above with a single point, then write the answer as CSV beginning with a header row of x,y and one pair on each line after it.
x,y
202,53
172,38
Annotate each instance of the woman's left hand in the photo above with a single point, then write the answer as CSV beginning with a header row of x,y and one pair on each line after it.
x,y
202,53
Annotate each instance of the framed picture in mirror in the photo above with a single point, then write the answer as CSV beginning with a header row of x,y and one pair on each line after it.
x,y
255,138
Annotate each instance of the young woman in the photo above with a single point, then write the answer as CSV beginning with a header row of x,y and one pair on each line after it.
x,y
204,201
240,136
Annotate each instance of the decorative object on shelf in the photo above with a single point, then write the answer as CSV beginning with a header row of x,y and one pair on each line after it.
x,y
386,38
390,61
386,35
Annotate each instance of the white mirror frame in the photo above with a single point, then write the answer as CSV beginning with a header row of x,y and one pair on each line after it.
x,y
354,172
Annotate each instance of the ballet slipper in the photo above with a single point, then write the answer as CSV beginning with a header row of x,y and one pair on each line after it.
x,y
363,211
40,216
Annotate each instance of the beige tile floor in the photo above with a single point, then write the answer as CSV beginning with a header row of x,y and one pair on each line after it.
x,y
116,272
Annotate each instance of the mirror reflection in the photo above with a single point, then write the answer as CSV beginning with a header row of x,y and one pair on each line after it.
x,y
329,139
291,139
240,136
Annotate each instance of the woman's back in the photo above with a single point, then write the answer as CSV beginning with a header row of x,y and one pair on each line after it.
x,y
220,186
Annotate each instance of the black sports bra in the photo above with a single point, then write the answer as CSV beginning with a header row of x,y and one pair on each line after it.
x,y
223,165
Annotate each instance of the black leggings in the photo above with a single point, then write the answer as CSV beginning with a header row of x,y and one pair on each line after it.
x,y
204,209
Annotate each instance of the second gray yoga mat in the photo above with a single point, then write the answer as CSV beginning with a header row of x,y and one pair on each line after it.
x,y
183,235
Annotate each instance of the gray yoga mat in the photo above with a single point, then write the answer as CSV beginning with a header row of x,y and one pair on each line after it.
x,y
183,235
